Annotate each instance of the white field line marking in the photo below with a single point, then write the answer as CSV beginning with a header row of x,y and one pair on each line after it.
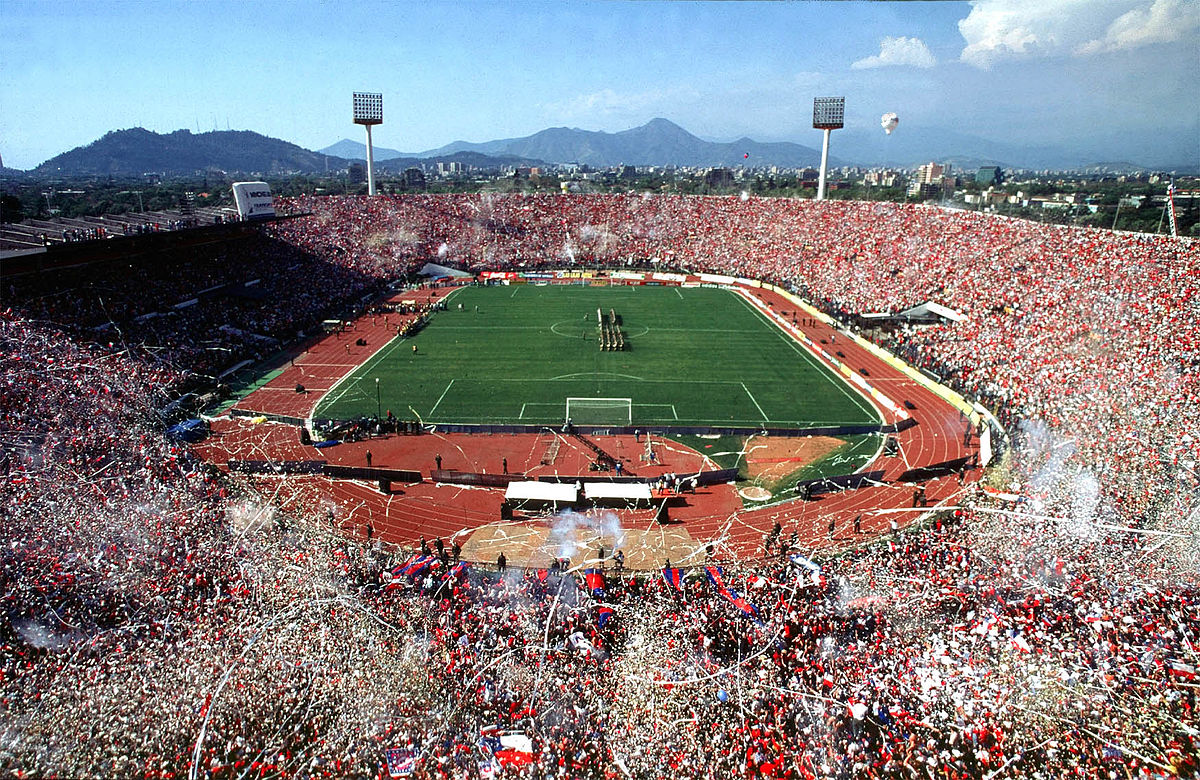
x,y
753,401
825,371
439,400
382,353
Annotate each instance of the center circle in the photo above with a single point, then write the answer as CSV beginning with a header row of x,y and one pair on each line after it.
x,y
560,329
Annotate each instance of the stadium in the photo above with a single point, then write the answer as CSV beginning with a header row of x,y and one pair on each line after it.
x,y
602,486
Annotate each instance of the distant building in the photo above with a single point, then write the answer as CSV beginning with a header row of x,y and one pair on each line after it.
x,y
931,173
989,176
357,173
932,180
881,179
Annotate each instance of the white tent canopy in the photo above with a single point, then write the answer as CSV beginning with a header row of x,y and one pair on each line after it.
x,y
543,492
627,492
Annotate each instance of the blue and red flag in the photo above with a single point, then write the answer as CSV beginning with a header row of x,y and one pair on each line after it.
x,y
595,581
716,577
411,568
457,570
414,564
399,570
674,578
401,761
603,615
418,567
510,748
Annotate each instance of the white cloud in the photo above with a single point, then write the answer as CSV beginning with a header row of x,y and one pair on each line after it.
x,y
998,30
898,51
1163,22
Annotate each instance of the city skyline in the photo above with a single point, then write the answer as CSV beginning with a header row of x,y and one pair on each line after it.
x,y
1107,79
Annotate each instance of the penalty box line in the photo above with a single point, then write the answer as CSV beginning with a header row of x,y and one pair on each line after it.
x,y
528,404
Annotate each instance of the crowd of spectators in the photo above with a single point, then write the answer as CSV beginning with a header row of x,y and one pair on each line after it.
x,y
157,619
162,621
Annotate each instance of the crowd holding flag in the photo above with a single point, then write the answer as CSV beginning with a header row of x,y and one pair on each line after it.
x,y
595,582
716,577
416,565
457,571
673,578
401,761
503,748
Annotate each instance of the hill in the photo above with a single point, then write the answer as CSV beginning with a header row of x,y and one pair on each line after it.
x,y
394,161
137,151
354,150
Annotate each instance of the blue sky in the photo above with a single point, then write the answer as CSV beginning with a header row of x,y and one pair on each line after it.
x,y
1110,75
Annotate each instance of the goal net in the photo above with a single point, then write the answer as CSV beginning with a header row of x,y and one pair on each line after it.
x,y
600,411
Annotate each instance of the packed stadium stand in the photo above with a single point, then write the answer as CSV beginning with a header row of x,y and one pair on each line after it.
x,y
162,619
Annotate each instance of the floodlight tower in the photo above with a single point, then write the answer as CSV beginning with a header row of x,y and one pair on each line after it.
x,y
829,113
368,110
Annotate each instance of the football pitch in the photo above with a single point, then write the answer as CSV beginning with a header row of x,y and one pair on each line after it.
x,y
516,354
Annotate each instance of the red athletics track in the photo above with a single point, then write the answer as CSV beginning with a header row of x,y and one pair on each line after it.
x,y
713,514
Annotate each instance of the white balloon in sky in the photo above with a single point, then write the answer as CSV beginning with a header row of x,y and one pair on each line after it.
x,y
889,121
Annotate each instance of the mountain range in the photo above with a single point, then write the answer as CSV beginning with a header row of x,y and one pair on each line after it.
x,y
659,142
662,142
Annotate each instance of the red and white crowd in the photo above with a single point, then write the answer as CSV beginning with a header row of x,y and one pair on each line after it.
x,y
161,620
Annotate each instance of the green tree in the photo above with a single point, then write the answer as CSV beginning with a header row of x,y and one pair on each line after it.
x,y
11,209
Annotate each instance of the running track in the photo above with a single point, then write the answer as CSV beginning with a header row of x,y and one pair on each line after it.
x,y
713,514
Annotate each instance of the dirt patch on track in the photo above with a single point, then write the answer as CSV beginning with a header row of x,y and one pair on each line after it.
x,y
771,458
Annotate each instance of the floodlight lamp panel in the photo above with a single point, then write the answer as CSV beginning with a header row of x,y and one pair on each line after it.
x,y
829,113
368,108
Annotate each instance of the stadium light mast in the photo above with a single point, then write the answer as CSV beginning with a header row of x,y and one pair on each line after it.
x,y
368,111
829,113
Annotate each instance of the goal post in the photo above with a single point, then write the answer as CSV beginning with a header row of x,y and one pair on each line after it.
x,y
600,411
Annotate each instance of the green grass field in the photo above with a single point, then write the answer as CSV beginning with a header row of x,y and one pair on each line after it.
x,y
514,354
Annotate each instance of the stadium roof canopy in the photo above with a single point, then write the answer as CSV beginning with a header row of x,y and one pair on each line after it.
x,y
435,270
925,312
